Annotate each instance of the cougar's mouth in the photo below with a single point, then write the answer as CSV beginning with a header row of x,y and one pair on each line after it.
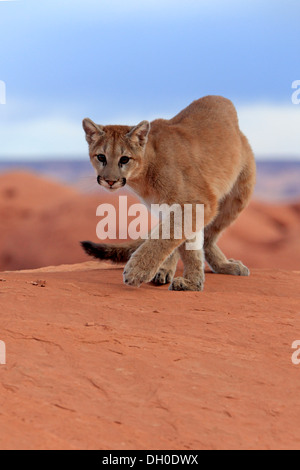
x,y
111,185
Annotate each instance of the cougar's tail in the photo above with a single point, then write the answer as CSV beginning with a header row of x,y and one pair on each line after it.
x,y
116,253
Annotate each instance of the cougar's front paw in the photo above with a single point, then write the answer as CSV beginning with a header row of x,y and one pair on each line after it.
x,y
136,272
182,284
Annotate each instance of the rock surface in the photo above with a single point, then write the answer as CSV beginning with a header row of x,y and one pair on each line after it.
x,y
94,364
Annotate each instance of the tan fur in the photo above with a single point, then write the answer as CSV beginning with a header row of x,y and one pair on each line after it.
x,y
198,157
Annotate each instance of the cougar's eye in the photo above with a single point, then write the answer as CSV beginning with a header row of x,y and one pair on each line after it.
x,y
124,160
102,159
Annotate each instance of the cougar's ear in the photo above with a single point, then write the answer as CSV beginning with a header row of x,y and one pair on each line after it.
x,y
139,134
92,131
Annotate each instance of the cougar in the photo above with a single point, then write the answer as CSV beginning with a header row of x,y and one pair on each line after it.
x,y
198,157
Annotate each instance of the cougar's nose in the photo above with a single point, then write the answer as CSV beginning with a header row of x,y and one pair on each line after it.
x,y
110,183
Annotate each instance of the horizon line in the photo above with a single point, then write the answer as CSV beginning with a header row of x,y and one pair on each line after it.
x,y
80,158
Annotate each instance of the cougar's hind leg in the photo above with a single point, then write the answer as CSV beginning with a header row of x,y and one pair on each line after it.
x,y
167,271
230,208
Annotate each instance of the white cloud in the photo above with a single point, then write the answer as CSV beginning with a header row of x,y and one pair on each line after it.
x,y
48,137
273,131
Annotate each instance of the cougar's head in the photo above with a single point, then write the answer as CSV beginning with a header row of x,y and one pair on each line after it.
x,y
116,152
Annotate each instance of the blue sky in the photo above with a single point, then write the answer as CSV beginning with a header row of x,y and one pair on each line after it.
x,y
124,61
